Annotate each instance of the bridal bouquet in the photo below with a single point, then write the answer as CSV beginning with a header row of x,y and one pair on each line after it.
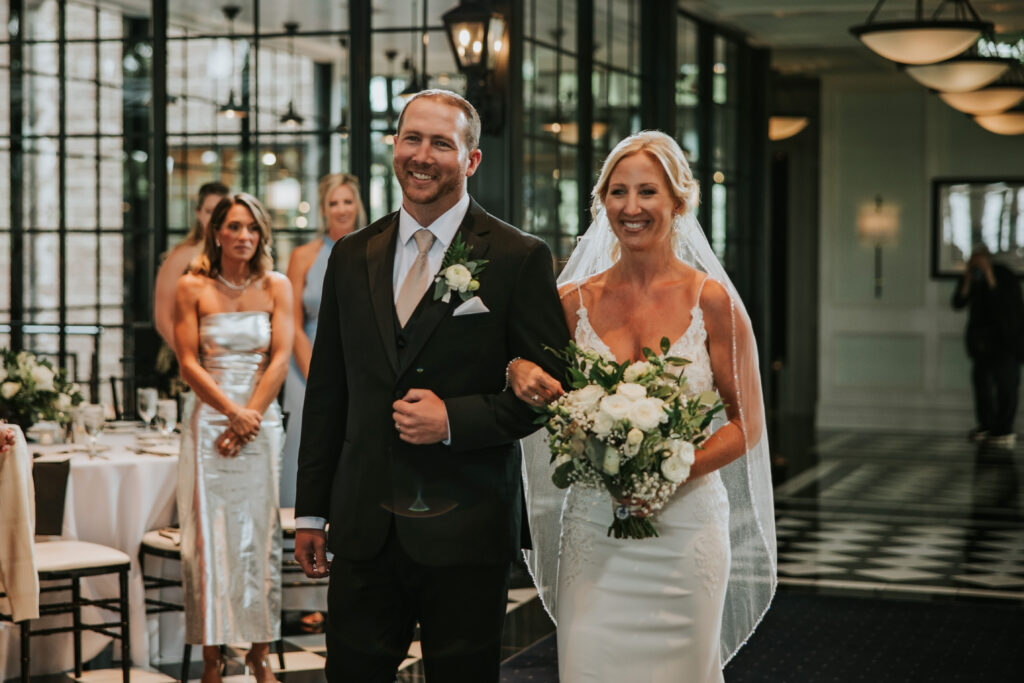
x,y
30,390
630,428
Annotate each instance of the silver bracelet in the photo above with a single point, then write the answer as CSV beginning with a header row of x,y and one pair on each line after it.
x,y
508,380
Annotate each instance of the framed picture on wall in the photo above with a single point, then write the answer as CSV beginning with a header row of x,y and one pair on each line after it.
x,y
969,212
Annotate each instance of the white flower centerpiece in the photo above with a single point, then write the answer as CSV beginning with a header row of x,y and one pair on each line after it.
x,y
630,428
31,390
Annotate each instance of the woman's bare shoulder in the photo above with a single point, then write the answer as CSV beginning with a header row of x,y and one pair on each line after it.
x,y
191,285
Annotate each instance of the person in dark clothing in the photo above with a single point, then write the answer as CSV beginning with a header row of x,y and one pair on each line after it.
x,y
995,329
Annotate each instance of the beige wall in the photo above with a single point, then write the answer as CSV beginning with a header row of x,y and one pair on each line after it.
x,y
896,361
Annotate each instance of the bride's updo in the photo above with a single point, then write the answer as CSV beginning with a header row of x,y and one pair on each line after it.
x,y
661,147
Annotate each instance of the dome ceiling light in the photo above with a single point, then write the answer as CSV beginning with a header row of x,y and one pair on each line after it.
x,y
1008,123
963,73
923,40
781,127
1005,93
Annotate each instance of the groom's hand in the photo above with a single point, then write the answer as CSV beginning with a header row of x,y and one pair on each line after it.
x,y
311,552
420,417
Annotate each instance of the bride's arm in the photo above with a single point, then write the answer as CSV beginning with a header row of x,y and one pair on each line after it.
x,y
733,359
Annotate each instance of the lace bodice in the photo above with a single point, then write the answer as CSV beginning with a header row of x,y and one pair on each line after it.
x,y
692,346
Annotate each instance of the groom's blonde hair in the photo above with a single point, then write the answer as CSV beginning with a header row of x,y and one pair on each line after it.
x,y
662,149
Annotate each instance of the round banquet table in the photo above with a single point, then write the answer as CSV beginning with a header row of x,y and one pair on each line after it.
x,y
112,499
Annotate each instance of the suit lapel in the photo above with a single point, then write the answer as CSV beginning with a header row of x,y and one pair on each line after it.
x,y
380,264
431,312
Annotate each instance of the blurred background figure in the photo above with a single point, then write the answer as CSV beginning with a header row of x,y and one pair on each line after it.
x,y
233,333
341,212
995,332
177,260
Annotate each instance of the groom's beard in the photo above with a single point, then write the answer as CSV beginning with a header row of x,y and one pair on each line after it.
x,y
442,186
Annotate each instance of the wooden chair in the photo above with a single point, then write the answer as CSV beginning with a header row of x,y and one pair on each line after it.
x,y
61,565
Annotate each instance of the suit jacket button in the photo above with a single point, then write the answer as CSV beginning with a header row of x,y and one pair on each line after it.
x,y
419,369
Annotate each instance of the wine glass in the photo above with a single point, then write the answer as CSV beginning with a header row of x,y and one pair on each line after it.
x,y
166,415
146,401
93,421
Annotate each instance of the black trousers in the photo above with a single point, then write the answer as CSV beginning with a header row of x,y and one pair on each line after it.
x,y
996,380
373,607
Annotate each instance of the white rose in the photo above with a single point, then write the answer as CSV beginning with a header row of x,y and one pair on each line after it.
x,y
636,370
616,406
9,389
674,469
587,398
458,277
633,441
43,377
634,392
683,450
611,461
647,413
603,424
62,402
561,460
26,359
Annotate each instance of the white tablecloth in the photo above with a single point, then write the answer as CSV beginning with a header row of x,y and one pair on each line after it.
x,y
112,500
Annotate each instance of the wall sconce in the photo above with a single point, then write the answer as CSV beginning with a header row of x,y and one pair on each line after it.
x,y
782,127
476,34
921,40
878,225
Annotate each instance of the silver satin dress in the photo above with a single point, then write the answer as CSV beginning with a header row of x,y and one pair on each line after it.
x,y
230,523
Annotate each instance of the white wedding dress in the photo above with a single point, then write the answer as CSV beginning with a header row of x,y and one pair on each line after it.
x,y
645,609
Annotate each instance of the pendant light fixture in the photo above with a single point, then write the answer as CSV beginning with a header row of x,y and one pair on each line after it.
x,y
1005,93
963,73
290,118
1009,122
232,110
923,40
782,126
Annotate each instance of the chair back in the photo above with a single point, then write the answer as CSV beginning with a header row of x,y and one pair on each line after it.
x,y
50,480
17,550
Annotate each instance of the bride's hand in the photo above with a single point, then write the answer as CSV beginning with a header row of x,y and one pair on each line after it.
x,y
531,384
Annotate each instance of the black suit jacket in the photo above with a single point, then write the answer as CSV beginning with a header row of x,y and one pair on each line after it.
x,y
353,468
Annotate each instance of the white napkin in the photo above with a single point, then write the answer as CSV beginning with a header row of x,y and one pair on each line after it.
x,y
471,307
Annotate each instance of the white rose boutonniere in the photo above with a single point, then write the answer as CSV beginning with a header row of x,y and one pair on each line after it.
x,y
458,273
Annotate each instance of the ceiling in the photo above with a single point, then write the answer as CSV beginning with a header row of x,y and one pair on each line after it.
x,y
805,36
812,36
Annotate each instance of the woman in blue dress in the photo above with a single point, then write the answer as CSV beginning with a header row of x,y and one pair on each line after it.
x,y
341,212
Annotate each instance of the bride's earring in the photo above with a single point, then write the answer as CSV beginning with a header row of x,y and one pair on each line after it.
x,y
216,243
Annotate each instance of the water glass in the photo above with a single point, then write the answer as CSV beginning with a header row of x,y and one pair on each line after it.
x,y
145,401
93,420
166,415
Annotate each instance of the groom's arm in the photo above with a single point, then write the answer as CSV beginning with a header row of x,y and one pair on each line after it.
x,y
325,409
535,321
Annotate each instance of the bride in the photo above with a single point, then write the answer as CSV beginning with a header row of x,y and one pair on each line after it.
x,y
676,607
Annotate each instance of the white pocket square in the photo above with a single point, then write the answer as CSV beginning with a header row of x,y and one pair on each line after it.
x,y
471,307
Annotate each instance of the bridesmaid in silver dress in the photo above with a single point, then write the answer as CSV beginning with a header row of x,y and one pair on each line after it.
x,y
233,330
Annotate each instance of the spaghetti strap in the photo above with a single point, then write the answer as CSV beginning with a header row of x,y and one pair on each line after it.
x,y
700,290
579,292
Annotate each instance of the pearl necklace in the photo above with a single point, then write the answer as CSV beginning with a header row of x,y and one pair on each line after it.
x,y
230,285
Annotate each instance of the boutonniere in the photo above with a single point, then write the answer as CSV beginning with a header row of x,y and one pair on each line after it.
x,y
458,273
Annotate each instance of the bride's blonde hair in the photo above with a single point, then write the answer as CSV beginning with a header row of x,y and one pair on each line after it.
x,y
666,152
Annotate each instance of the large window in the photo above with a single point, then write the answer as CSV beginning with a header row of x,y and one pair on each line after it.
x,y
64,156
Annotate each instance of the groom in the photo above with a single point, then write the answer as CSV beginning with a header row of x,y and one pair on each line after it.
x,y
408,438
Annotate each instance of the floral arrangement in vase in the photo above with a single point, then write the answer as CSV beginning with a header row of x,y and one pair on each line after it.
x,y
32,390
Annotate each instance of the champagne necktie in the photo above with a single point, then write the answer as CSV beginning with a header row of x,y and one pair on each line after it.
x,y
417,279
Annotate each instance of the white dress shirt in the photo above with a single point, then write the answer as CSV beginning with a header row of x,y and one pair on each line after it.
x,y
444,229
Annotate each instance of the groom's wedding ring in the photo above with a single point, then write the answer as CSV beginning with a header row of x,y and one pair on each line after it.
x,y
398,427
535,397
